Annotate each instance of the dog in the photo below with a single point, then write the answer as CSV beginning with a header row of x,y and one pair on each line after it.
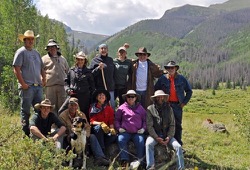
x,y
78,140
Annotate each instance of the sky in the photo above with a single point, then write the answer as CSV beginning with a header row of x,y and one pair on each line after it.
x,y
108,17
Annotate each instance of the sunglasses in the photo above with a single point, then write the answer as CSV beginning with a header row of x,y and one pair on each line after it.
x,y
130,96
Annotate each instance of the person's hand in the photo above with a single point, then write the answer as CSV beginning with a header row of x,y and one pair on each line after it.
x,y
182,105
166,140
160,140
121,130
112,131
101,65
44,82
141,131
105,127
24,86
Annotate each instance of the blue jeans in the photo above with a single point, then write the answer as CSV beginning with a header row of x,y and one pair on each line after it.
x,y
178,121
143,98
150,144
103,138
138,140
112,99
95,147
29,97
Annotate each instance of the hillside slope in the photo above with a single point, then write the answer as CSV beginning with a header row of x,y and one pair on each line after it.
x,y
197,38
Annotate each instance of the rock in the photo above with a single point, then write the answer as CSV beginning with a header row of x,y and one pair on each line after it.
x,y
162,154
216,127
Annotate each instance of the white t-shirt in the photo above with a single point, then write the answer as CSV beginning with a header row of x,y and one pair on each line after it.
x,y
142,76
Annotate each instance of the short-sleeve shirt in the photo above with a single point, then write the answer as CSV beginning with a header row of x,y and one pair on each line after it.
x,y
31,65
44,125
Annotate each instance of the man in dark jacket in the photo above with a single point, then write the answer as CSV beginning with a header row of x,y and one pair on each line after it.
x,y
102,67
161,128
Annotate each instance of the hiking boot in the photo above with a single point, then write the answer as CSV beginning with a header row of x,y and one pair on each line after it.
x,y
102,162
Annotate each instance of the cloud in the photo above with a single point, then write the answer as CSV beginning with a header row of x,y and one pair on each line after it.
x,y
109,16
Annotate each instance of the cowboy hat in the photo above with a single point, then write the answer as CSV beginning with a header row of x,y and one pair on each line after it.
x,y
46,103
159,93
52,43
105,92
142,50
131,92
81,55
171,64
27,34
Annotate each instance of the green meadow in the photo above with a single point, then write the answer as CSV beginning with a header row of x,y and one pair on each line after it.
x,y
205,149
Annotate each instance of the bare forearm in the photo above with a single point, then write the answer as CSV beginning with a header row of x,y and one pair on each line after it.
x,y
35,131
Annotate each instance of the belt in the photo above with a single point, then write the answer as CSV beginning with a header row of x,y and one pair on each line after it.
x,y
35,84
174,102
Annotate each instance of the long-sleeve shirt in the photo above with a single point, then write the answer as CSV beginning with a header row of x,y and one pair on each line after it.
x,y
160,123
130,118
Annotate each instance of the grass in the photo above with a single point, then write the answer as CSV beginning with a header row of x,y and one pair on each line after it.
x,y
204,149
210,150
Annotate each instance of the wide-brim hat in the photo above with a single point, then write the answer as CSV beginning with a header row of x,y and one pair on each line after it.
x,y
131,92
142,50
96,92
81,55
27,34
171,64
46,103
159,93
52,43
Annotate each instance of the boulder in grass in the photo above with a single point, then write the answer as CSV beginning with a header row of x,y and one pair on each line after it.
x,y
216,127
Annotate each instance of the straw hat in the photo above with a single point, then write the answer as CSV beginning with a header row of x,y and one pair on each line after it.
x,y
27,34
80,55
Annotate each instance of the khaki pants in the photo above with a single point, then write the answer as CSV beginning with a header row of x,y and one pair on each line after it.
x,y
57,95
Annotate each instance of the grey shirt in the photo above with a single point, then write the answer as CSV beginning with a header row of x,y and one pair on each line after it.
x,y
31,65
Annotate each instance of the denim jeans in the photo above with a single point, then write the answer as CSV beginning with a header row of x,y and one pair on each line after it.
x,y
143,98
150,144
103,138
138,140
29,97
112,99
95,147
178,121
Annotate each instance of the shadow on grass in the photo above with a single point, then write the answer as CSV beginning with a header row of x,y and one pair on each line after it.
x,y
192,161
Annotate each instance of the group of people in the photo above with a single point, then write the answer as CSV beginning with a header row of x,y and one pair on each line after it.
x,y
147,114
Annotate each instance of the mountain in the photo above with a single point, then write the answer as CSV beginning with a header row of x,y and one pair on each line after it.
x,y
203,40
84,41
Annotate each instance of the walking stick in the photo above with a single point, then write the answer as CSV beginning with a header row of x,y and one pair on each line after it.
x,y
103,79
104,82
